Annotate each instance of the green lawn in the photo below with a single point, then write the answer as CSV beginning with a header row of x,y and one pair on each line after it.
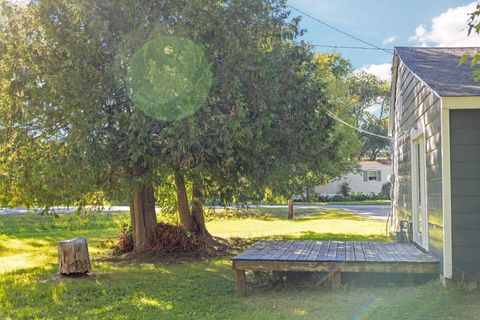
x,y
202,289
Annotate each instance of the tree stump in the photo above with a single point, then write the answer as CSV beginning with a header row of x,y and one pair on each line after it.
x,y
73,257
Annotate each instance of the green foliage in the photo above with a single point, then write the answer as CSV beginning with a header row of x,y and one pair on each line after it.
x,y
85,87
386,190
367,91
355,198
319,148
345,190
473,26
168,77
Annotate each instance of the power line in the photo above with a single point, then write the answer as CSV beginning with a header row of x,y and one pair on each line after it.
x,y
345,47
341,31
334,116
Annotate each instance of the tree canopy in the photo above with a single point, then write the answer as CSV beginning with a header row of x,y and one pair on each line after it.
x,y
474,26
118,96
370,98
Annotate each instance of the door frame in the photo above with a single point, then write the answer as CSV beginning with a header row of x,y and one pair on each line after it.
x,y
419,178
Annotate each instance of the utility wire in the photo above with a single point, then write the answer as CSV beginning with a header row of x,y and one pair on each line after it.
x,y
335,117
344,47
338,30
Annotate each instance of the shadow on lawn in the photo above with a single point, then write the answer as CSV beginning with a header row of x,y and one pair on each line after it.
x,y
310,235
146,290
275,214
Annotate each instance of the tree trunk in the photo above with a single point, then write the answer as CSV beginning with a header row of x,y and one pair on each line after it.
x,y
290,208
191,220
73,256
197,211
186,219
144,222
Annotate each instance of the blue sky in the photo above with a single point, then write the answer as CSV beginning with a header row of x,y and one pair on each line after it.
x,y
386,23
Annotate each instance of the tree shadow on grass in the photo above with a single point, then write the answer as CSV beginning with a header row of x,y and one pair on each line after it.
x,y
310,235
276,214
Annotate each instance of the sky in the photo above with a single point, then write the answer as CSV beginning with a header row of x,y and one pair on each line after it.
x,y
385,23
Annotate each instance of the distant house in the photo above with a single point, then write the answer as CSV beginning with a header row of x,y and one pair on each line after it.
x,y
369,179
435,126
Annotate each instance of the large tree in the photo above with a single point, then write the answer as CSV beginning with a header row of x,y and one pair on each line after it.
x,y
314,147
369,98
75,117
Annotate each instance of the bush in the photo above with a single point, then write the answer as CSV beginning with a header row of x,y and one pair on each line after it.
x,y
386,189
358,196
345,190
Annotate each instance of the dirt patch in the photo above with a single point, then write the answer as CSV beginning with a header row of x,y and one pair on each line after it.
x,y
205,248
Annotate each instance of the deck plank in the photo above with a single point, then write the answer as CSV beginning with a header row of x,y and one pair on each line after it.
x,y
385,250
298,252
359,254
306,251
379,254
332,251
335,251
315,250
341,251
288,254
350,253
404,252
369,256
272,249
322,255
285,247
258,250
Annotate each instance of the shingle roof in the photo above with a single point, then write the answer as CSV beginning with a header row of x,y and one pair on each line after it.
x,y
440,69
376,164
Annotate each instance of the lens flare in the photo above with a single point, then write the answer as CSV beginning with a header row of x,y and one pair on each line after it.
x,y
169,78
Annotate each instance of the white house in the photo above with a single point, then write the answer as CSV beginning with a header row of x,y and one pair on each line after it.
x,y
369,179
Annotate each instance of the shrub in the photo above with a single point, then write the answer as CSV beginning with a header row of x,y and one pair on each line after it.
x,y
345,190
386,189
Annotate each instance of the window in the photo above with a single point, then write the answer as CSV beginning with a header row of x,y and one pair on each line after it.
x,y
372,175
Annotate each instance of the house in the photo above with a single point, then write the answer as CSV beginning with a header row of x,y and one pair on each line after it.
x,y
435,127
369,179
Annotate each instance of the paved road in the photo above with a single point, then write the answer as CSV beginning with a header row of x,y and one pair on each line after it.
x,y
379,212
59,210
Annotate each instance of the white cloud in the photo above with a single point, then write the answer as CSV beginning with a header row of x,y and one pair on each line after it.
x,y
389,40
449,29
383,71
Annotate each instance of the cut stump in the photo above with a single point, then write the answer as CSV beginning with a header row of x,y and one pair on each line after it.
x,y
73,257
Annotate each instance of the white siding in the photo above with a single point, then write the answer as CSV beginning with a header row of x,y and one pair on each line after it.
x,y
356,183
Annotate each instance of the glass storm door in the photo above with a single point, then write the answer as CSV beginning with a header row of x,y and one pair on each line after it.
x,y
419,201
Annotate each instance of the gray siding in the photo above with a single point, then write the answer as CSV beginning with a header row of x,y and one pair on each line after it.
x,y
465,175
415,102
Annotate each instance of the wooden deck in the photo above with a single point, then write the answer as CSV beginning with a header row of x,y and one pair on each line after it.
x,y
332,257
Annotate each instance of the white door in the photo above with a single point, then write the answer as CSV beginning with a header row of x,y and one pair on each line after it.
x,y
419,199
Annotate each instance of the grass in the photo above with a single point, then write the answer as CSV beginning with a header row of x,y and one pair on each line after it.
x,y
202,289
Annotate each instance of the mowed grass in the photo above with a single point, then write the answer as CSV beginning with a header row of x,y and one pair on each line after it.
x,y
311,223
203,289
